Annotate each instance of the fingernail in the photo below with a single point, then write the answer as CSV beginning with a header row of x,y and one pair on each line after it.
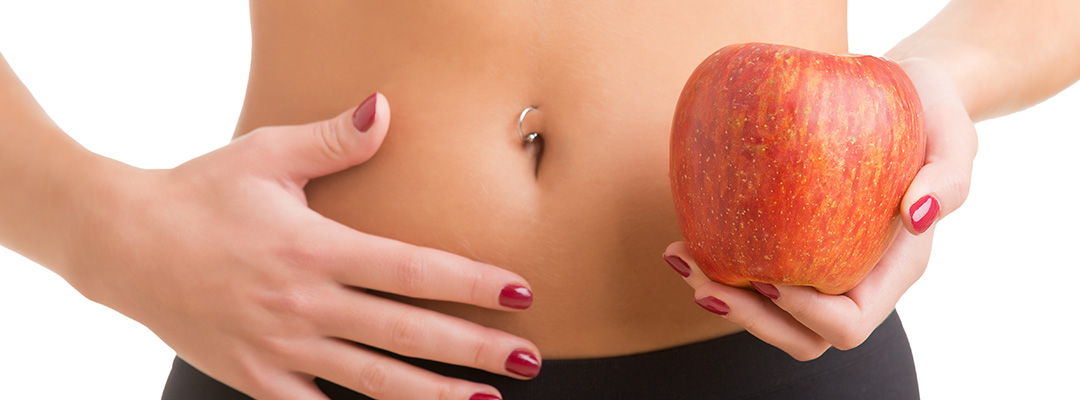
x,y
484,396
766,289
923,213
515,296
364,115
679,265
713,305
523,363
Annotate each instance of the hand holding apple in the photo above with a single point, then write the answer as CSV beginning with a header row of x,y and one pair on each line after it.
x,y
788,165
804,322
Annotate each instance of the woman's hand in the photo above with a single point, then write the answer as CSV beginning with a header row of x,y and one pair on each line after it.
x,y
805,323
224,261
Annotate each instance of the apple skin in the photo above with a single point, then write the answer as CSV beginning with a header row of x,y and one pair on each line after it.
x,y
788,165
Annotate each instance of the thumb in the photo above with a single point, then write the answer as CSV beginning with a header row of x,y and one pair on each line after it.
x,y
303,152
943,183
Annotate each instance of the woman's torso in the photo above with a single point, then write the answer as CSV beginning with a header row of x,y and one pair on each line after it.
x,y
588,227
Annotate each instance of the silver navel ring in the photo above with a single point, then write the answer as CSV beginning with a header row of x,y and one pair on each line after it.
x,y
521,119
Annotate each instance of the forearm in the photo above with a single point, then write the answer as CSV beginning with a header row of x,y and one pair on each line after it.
x,y
1004,55
45,176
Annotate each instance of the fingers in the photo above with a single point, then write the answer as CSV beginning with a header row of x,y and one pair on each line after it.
x,y
804,322
361,260
763,319
303,152
942,184
754,312
846,321
418,332
382,377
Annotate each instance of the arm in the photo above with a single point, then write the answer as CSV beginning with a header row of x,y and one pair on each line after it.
x,y
44,174
1002,56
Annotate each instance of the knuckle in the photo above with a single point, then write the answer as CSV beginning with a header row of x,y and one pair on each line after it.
x,y
850,338
289,302
801,305
809,353
412,272
258,384
750,324
445,388
330,140
962,184
477,294
480,349
249,371
276,345
374,379
408,333
298,254
446,391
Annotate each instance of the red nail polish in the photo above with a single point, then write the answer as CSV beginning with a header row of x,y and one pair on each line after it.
x,y
523,363
923,213
364,115
679,265
515,296
484,396
766,289
713,305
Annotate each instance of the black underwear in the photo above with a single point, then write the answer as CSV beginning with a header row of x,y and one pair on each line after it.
x,y
737,366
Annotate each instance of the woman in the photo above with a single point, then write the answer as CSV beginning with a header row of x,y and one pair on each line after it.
x,y
580,224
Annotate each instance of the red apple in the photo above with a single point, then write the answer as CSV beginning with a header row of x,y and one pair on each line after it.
x,y
788,165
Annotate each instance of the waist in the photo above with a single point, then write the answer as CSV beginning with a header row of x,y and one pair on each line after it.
x,y
586,229
587,226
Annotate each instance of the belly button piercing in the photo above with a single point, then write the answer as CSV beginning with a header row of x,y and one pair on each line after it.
x,y
533,141
521,119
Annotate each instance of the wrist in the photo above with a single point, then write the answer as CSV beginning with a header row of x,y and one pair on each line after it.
x,y
959,62
63,196
99,195
929,76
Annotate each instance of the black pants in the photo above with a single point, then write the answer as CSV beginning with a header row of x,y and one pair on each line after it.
x,y
738,366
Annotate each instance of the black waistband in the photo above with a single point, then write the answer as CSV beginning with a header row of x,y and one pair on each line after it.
x,y
737,366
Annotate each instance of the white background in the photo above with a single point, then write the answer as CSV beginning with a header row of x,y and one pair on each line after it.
x,y
156,83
